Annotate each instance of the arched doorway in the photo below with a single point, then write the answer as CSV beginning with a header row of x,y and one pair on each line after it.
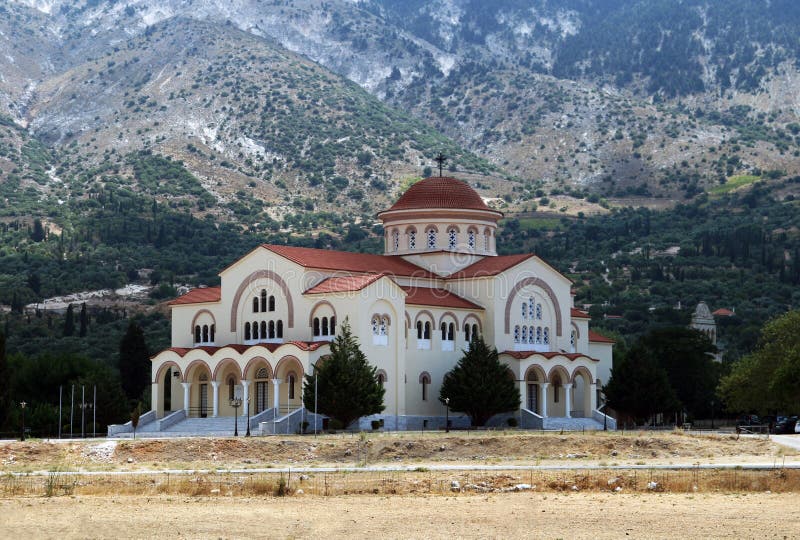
x,y
559,392
534,377
582,393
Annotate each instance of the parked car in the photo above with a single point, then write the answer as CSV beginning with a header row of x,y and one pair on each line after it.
x,y
797,427
786,425
748,420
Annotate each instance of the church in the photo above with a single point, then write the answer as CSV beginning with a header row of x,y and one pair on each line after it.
x,y
413,310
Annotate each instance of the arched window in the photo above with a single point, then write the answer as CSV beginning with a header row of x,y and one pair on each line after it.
x,y
425,380
546,336
572,341
524,310
381,379
452,236
384,324
333,326
262,373
255,304
444,331
419,329
205,333
431,233
271,329
412,239
197,334
427,334
280,329
324,326
263,300
395,240
291,380
475,331
471,240
213,331
486,240
247,331
538,335
379,331
539,312
271,303
517,334
316,326
448,336
524,334
263,330
375,324
530,308
255,330
231,387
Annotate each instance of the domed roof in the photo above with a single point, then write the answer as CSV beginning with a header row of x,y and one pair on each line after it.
x,y
440,192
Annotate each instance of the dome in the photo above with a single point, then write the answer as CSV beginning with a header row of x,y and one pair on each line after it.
x,y
440,192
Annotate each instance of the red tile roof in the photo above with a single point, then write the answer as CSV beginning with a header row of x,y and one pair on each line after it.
x,y
521,355
349,262
198,296
344,284
599,338
241,348
723,312
576,313
490,266
440,192
426,296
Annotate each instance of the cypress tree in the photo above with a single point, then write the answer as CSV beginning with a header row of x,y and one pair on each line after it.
x,y
84,319
480,385
348,387
134,362
69,321
4,382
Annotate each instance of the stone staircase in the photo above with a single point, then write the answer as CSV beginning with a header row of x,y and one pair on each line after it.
x,y
571,424
222,426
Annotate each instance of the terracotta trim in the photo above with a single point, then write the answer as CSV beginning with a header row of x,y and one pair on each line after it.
x,y
248,281
254,362
582,370
160,371
314,309
197,316
191,365
476,319
541,376
453,315
289,359
424,312
424,375
562,371
538,282
382,372
221,365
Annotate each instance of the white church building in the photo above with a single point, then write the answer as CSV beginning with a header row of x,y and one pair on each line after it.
x,y
413,310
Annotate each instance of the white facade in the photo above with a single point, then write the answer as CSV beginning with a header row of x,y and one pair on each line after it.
x,y
412,309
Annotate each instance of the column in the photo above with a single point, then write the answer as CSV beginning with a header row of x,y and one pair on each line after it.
x,y
187,387
245,396
523,394
215,398
154,397
543,401
567,399
592,400
276,383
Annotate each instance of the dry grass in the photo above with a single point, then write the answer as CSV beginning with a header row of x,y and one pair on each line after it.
x,y
406,483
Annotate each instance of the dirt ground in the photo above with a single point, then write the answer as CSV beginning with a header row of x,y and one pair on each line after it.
x,y
504,448
518,515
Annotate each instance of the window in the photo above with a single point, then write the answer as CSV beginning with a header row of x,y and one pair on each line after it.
x,y
380,331
524,310
316,326
333,326
384,323
546,336
524,334
197,334
291,379
255,330
324,326
271,330
448,336
263,300
486,241
280,329
262,373
431,238
255,304
451,239
213,331
471,240
263,333
531,304
539,312
412,240
423,335
419,329
247,331
516,334
271,303
572,341
381,379
205,333
556,388
539,335
425,380
231,387
396,240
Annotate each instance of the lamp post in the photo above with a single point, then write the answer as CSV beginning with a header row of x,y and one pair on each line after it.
x,y
447,415
316,416
247,404
22,404
236,403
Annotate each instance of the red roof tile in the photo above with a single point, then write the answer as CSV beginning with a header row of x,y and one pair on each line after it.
x,y
723,312
198,296
599,338
349,262
440,192
426,296
241,348
576,313
490,266
521,355
343,284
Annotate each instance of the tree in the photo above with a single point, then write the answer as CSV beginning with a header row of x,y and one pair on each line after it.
x,y
347,385
84,320
69,321
480,385
768,379
685,354
4,382
135,414
639,386
134,362
38,233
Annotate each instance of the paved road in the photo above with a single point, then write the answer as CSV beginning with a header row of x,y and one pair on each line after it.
x,y
792,441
